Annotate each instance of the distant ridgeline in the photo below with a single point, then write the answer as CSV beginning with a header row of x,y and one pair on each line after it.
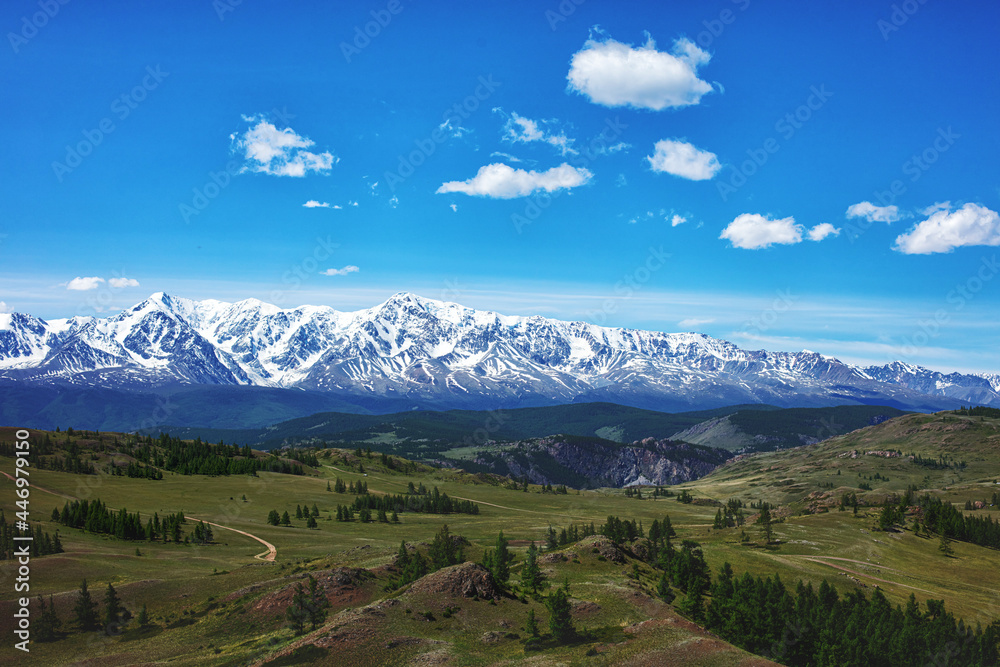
x,y
146,457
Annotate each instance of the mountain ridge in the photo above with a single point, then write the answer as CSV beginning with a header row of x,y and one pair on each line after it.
x,y
442,355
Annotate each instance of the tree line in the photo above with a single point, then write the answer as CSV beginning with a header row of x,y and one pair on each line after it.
x,y
41,544
95,517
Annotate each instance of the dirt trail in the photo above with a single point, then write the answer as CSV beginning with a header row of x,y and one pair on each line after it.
x,y
39,488
269,555
822,560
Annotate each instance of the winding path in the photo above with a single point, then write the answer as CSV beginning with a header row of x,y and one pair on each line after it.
x,y
39,488
269,555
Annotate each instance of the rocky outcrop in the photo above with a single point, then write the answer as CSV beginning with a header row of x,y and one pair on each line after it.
x,y
594,462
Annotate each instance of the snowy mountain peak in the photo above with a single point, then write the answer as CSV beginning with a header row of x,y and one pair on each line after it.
x,y
447,355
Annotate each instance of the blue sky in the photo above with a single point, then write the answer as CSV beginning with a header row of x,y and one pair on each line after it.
x,y
653,165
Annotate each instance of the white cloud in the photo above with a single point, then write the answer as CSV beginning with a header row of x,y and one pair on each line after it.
x,y
312,203
621,181
352,203
504,182
683,159
822,230
454,207
874,213
79,284
268,150
507,157
350,268
122,283
452,130
695,322
614,74
946,230
394,201
3,307
677,220
752,231
525,130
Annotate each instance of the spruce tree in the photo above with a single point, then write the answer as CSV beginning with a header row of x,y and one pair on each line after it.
x,y
285,519
85,609
317,603
143,618
531,625
560,620
297,613
113,611
531,574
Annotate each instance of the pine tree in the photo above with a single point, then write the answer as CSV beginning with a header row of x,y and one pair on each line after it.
x,y
143,618
531,625
663,589
297,613
47,625
395,517
498,560
285,519
531,574
765,521
328,486
560,620
273,518
311,522
113,611
85,609
317,603
945,546
298,512
315,510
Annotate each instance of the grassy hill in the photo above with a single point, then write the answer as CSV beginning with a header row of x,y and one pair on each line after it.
x,y
219,604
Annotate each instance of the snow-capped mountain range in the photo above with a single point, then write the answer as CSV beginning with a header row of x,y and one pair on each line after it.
x,y
444,355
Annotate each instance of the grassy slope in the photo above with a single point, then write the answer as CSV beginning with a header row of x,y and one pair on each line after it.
x,y
176,581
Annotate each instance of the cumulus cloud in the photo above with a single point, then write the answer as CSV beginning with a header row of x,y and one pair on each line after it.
x,y
312,203
753,231
525,130
946,230
614,74
3,307
683,159
268,150
122,283
350,268
84,284
501,181
677,220
822,230
692,322
874,213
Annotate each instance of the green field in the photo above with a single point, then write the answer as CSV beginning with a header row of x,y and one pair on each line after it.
x,y
218,604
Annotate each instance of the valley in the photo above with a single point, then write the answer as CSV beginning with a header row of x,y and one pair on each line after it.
x,y
220,603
